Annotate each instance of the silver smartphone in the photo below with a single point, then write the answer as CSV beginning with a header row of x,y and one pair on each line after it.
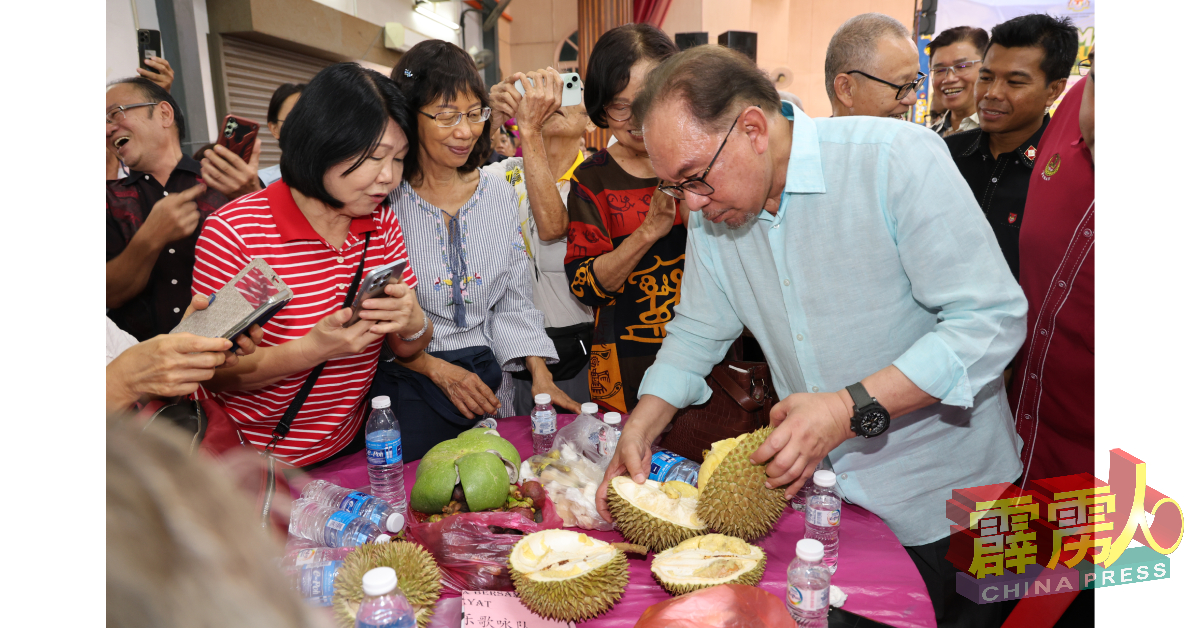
x,y
252,297
373,285
572,89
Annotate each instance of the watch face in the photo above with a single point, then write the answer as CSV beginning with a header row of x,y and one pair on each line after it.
x,y
874,422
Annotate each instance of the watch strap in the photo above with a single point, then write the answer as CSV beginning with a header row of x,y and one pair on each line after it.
x,y
860,396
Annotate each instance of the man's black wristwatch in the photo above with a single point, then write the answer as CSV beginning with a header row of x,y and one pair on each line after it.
x,y
870,418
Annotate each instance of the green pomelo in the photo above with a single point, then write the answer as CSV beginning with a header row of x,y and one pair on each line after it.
x,y
476,459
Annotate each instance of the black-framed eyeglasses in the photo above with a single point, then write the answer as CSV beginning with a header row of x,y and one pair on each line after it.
x,y
697,185
118,113
901,90
618,112
1085,67
452,118
955,69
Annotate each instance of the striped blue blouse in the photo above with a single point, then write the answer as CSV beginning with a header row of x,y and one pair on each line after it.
x,y
494,289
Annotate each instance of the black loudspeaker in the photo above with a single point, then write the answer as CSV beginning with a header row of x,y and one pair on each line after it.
x,y
688,40
927,17
745,42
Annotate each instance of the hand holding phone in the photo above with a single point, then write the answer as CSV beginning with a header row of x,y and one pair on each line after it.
x,y
373,285
252,297
572,93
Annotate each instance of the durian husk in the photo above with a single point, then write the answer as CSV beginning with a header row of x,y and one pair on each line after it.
x,y
641,526
720,546
734,500
416,571
585,596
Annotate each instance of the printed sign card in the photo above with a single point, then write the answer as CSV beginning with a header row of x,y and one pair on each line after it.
x,y
502,609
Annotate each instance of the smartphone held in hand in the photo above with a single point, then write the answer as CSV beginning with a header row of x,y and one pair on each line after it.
x,y
252,297
373,285
149,45
572,89
238,135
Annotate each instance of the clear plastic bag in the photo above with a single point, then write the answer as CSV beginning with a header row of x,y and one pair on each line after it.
x,y
472,550
724,606
571,481
590,438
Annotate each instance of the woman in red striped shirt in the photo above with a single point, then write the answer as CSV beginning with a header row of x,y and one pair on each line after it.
x,y
343,151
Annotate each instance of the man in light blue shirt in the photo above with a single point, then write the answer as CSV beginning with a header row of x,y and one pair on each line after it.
x,y
857,256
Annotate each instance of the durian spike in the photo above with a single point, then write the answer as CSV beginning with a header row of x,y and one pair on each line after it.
x,y
630,548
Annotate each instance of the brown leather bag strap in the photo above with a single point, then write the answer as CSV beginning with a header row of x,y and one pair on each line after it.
x,y
735,391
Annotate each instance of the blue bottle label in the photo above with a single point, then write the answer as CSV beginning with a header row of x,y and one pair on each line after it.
x,y
353,502
661,464
316,582
334,526
384,452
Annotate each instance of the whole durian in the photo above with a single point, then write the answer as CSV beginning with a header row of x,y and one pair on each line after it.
x,y
567,576
733,498
418,575
657,515
707,561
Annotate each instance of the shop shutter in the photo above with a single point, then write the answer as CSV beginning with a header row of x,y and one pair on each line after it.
x,y
252,72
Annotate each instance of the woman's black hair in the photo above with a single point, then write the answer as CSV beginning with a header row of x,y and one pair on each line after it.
x,y
436,71
341,115
608,66
282,93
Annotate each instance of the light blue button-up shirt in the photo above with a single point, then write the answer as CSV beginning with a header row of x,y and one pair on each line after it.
x,y
879,255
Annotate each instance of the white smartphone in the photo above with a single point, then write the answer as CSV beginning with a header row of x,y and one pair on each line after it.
x,y
373,285
572,89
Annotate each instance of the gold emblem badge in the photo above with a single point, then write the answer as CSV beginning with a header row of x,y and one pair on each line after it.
x,y
1052,166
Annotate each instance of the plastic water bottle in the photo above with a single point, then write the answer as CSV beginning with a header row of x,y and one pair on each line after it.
x,y
487,423
385,458
314,556
383,606
315,581
589,409
667,466
823,516
800,499
356,503
613,420
808,586
332,527
545,424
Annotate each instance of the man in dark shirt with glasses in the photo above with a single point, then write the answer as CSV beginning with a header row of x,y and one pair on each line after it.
x,y
871,68
153,215
1025,69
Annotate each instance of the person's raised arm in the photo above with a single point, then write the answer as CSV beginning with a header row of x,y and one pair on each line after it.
x,y
543,97
613,269
172,218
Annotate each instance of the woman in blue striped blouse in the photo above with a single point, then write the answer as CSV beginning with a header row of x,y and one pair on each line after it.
x,y
464,242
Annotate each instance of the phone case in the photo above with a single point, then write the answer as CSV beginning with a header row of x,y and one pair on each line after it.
x,y
238,135
373,285
149,45
252,297
572,89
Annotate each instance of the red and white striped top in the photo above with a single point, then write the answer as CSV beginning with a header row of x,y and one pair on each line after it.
x,y
268,224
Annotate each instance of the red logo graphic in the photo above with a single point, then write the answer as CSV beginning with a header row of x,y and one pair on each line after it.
x,y
1012,218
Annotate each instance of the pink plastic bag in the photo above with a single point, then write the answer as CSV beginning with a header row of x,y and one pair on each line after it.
x,y
724,606
473,557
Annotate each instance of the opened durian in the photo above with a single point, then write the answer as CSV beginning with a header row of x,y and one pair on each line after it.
x,y
567,576
733,498
417,572
657,515
707,561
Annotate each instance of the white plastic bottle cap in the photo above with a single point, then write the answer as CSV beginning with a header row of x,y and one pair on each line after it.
x,y
542,399
612,418
808,549
395,522
382,538
590,408
382,401
379,580
824,479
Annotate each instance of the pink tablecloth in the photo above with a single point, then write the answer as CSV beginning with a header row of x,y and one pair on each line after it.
x,y
873,567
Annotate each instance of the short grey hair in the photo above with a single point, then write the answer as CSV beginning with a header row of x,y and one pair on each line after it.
x,y
853,45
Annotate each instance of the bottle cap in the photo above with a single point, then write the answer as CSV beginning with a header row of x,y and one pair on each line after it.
x,y
382,538
612,418
590,408
382,401
542,399
379,580
395,522
824,479
807,549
